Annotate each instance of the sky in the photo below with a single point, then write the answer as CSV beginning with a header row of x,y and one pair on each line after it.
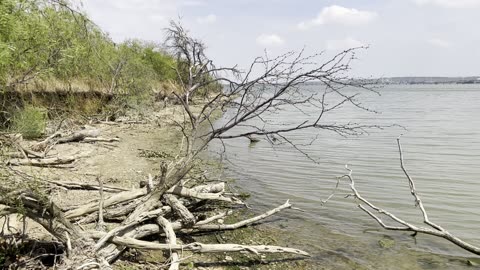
x,y
405,37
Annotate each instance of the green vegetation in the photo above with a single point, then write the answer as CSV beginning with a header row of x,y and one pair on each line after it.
x,y
42,40
48,45
30,122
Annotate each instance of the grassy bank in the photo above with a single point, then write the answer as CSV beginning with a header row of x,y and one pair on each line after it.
x,y
53,58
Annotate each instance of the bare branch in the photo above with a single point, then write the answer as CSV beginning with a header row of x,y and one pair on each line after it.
x,y
402,225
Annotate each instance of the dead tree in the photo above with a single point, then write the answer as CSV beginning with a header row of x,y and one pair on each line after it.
x,y
268,86
401,225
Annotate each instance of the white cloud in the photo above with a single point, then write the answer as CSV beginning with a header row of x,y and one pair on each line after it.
x,y
270,40
343,44
124,19
439,43
340,15
209,19
449,3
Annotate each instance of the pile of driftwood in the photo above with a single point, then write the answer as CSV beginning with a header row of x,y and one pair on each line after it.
x,y
38,154
95,234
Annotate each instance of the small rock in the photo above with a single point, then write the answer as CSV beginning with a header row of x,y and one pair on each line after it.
x,y
220,221
386,242
472,263
228,258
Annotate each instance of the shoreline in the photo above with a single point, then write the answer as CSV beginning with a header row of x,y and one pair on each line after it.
x,y
141,149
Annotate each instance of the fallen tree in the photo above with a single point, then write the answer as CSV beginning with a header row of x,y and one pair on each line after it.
x,y
166,204
399,224
36,155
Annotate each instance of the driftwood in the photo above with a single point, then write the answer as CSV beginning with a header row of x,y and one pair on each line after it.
x,y
81,186
171,240
213,218
142,218
24,152
141,214
206,248
243,223
112,200
85,135
101,205
46,162
131,239
79,136
433,229
100,139
43,145
210,188
37,154
119,211
151,229
187,218
191,193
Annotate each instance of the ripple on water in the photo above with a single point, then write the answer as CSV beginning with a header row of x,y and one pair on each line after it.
x,y
442,153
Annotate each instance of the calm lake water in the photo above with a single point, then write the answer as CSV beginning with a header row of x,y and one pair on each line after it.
x,y
441,146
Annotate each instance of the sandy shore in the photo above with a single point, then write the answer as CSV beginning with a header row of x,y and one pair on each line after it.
x,y
143,145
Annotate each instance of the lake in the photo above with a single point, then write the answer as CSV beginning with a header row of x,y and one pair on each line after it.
x,y
441,143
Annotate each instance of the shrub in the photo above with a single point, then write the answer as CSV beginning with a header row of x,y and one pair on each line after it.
x,y
30,121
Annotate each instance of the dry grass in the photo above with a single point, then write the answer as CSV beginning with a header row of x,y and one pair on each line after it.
x,y
55,85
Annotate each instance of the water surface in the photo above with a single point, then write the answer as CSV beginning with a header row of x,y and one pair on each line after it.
x,y
442,153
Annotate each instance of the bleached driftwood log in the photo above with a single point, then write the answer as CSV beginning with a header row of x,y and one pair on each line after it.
x,y
101,205
151,229
243,223
85,135
130,239
82,186
205,248
196,194
142,218
79,136
213,218
47,162
100,139
210,188
114,199
171,240
119,211
187,218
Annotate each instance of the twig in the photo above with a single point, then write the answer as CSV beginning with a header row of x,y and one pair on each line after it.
x,y
69,245
100,224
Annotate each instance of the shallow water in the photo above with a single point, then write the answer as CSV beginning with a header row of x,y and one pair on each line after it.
x,y
442,153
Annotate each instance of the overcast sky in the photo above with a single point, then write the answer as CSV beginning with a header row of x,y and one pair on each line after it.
x,y
406,37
